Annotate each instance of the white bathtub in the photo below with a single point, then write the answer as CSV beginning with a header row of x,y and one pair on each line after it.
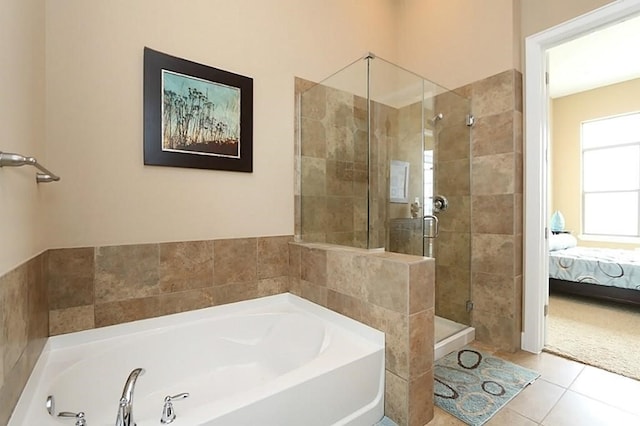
x,y
274,361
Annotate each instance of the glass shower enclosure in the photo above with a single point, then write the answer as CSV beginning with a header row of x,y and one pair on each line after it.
x,y
384,163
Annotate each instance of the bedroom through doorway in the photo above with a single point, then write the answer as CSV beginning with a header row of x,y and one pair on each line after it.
x,y
594,183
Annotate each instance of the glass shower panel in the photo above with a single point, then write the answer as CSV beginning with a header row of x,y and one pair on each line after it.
x,y
452,172
397,189
333,159
380,149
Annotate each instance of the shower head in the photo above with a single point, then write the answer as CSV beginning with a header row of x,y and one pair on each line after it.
x,y
437,117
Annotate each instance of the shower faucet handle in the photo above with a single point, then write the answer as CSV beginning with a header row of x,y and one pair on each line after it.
x,y
168,413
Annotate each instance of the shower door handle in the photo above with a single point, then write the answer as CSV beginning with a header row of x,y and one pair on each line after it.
x,y
433,224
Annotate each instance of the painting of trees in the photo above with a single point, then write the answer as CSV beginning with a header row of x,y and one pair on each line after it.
x,y
199,116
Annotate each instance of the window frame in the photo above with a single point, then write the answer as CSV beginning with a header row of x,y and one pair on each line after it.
x,y
583,193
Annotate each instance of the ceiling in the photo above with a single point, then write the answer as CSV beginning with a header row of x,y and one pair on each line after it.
x,y
607,56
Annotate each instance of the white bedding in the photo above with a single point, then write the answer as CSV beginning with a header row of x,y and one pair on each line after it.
x,y
609,267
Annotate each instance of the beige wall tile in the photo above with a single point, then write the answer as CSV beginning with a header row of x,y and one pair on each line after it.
x,y
38,301
457,218
273,256
494,214
494,292
185,265
493,174
314,265
235,260
313,292
313,102
352,307
69,320
346,273
387,283
313,176
494,134
453,249
501,331
340,214
126,272
493,95
396,399
313,135
271,286
313,217
295,269
173,303
234,292
15,315
421,291
493,253
452,177
421,343
339,178
70,276
121,311
420,399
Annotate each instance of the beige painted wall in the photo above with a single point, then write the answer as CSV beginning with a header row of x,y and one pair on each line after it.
x,y
22,110
94,102
456,42
539,15
568,113
94,110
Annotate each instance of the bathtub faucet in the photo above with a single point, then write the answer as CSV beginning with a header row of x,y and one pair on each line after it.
x,y
125,408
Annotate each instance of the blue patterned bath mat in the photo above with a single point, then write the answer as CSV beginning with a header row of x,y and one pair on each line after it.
x,y
473,385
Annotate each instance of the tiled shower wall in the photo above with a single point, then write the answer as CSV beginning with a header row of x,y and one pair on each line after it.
x,y
24,326
497,209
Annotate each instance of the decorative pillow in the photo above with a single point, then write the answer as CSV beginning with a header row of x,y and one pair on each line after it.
x,y
562,241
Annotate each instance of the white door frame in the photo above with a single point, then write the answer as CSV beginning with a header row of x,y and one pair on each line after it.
x,y
536,284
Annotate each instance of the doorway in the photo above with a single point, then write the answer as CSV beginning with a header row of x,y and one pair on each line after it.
x,y
536,288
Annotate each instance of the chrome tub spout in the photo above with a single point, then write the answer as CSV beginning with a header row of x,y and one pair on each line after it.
x,y
125,408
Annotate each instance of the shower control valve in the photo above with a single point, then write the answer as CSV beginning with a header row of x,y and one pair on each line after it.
x,y
80,420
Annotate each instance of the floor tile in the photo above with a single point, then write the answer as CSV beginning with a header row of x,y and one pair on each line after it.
x,y
536,400
442,418
508,417
552,368
610,388
575,409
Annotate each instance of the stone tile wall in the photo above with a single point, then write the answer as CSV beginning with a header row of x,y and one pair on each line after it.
x,y
391,292
497,209
24,326
98,286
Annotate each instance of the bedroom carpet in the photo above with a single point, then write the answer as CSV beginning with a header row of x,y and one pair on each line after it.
x,y
601,334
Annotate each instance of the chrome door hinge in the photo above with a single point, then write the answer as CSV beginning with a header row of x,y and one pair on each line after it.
x,y
546,310
470,120
546,78
469,305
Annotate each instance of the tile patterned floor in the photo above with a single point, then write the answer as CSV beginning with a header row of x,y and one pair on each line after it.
x,y
567,394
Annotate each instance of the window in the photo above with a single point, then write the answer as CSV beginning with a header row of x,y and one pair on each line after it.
x,y
611,176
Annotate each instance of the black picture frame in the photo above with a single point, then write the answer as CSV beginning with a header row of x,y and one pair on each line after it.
x,y
195,115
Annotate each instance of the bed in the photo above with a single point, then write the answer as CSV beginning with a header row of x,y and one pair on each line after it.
x,y
611,274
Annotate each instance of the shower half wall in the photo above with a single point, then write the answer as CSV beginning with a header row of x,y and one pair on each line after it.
x,y
376,142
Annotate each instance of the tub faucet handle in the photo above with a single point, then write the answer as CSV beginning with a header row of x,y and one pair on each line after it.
x,y
79,416
168,413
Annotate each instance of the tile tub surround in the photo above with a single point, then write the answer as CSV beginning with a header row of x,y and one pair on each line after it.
x,y
24,327
97,286
391,292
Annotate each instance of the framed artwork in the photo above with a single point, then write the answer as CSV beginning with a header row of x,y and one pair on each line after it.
x,y
399,182
196,116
